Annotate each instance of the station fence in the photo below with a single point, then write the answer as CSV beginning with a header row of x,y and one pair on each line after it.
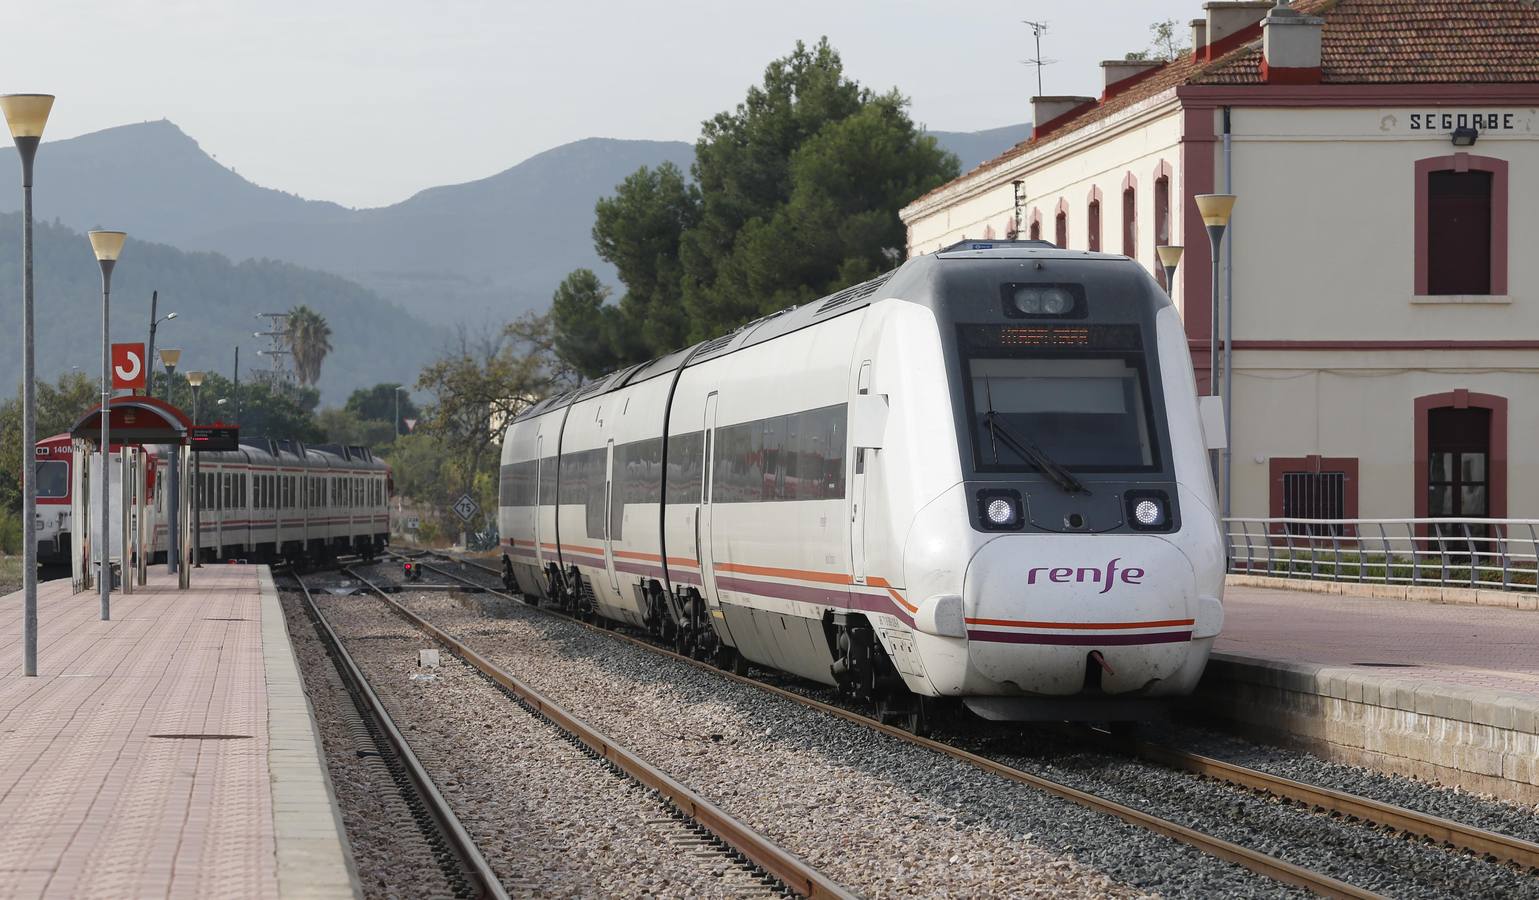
x,y
1494,554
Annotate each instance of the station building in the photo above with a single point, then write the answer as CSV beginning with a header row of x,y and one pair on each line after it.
x,y
1383,255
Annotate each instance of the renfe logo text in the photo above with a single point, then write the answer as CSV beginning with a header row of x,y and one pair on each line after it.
x,y
1106,578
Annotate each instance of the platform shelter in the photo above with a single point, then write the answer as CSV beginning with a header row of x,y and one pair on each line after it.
x,y
143,483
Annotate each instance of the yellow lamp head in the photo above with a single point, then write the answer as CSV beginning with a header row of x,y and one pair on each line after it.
x,y
195,379
1170,256
26,113
108,244
170,356
1215,208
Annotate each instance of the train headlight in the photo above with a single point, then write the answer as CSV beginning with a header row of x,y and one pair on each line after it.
x,y
1028,300
1148,510
999,510
1056,301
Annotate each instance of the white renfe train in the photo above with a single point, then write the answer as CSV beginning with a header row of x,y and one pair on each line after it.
x,y
267,500
982,476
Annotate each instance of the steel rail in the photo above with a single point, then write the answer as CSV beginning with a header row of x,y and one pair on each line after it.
x,y
1455,834
1254,860
482,879
1459,835
798,876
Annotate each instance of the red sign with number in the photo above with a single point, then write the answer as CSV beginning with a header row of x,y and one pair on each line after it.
x,y
128,366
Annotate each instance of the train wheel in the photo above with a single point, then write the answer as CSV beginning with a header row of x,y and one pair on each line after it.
x,y
906,710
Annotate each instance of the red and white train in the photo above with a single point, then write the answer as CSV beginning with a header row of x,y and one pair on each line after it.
x,y
982,477
267,500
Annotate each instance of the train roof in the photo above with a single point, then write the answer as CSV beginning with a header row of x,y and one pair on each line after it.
x,y
916,271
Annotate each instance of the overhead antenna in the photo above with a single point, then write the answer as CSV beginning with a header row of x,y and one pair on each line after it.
x,y
1037,28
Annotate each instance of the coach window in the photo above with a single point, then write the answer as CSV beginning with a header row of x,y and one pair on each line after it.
x,y
1461,226
684,467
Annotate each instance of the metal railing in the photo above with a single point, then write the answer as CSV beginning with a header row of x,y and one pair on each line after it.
x,y
1493,554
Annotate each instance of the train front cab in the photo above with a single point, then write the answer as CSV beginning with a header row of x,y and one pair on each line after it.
x,y
54,456
1054,552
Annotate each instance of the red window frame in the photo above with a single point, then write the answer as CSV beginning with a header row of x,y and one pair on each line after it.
x,y
1093,221
1279,466
1462,162
1130,217
1496,477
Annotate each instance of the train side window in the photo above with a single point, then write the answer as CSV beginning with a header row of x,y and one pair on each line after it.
x,y
772,442
684,475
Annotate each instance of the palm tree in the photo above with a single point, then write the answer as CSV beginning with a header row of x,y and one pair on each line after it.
x,y
309,340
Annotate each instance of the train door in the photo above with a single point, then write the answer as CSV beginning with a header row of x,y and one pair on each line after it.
x,y
703,550
609,499
858,491
539,483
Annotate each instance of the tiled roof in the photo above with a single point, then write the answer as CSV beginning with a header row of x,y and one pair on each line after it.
x,y
1412,42
1364,41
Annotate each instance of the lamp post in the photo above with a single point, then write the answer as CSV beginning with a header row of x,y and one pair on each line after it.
x,y
107,245
236,390
26,114
169,357
195,380
1215,210
1170,258
149,384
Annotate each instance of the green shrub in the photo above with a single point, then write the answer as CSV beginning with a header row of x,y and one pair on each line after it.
x,y
10,533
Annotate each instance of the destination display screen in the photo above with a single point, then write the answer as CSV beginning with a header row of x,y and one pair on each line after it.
x,y
1052,337
215,437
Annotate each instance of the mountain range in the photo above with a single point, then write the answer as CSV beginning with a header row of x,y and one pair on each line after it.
x,y
476,254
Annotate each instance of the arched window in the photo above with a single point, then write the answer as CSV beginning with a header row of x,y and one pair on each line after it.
x,y
1161,220
1036,225
1093,218
1461,225
1061,225
1461,455
1129,220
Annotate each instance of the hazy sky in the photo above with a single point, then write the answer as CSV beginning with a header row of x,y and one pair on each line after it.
x,y
366,103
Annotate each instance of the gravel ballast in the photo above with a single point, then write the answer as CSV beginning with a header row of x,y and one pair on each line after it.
x,y
391,855
883,817
551,819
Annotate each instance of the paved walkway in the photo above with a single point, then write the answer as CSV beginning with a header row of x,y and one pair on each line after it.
x,y
168,752
1469,646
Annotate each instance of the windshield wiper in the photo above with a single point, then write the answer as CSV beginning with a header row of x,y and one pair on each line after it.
x,y
1032,454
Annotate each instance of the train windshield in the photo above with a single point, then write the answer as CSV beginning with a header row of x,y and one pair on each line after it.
x,y
1085,413
52,478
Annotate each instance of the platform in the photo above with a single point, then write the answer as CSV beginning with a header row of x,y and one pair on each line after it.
x,y
1447,693
169,752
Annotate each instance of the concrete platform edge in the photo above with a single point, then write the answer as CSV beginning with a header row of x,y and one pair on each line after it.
x,y
314,856
1417,593
1478,739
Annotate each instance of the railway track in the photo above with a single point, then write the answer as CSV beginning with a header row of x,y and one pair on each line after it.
x,y
1457,835
706,828
456,853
